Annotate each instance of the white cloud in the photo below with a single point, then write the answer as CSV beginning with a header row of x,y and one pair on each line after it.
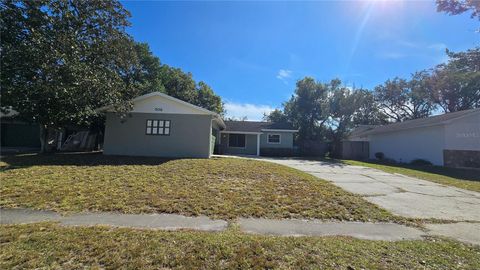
x,y
391,55
253,112
284,75
437,46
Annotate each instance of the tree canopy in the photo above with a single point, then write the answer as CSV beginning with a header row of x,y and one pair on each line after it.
x,y
330,110
61,60
455,7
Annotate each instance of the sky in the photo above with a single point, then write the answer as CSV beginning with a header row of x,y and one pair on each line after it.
x,y
252,53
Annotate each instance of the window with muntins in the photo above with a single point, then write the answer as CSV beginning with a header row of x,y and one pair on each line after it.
x,y
236,140
158,127
274,138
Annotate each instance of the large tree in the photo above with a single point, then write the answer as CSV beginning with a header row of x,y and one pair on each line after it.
x,y
152,75
62,59
307,108
207,99
455,85
402,99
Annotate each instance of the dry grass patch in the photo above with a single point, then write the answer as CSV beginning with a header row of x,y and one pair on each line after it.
x,y
49,246
218,187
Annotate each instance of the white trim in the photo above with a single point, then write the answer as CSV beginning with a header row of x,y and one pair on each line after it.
x,y
279,138
159,94
239,132
172,99
258,144
236,147
280,130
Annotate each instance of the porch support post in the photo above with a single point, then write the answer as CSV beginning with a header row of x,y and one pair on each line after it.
x,y
258,144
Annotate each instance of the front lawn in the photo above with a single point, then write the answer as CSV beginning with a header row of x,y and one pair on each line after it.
x,y
217,187
461,178
47,245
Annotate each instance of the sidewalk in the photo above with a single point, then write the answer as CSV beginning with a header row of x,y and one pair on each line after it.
x,y
289,227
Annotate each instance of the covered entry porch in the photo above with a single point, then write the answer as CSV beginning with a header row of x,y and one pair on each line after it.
x,y
240,143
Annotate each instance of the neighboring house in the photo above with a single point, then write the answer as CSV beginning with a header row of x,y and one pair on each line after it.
x,y
161,125
451,139
256,138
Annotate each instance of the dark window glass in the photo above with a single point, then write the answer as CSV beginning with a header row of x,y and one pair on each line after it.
x,y
274,138
236,140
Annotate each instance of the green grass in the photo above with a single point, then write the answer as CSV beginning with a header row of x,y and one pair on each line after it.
x,y
462,178
219,188
48,245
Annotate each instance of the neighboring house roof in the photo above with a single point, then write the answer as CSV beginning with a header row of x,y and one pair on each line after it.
x,y
360,130
147,104
422,122
257,127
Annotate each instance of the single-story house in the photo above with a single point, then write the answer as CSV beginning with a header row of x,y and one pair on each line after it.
x,y
257,138
161,125
451,139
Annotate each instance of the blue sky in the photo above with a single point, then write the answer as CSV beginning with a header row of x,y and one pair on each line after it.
x,y
251,53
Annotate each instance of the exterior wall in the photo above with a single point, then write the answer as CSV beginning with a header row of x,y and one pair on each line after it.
x,y
189,136
286,140
284,148
406,145
250,145
358,150
461,158
463,133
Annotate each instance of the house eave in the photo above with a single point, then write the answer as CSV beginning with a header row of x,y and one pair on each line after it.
x,y
280,130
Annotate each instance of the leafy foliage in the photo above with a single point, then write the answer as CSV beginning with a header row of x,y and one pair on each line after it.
x,y
155,76
404,100
327,110
455,85
455,7
61,60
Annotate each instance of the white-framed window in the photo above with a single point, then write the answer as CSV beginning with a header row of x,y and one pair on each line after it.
x,y
273,138
237,140
158,127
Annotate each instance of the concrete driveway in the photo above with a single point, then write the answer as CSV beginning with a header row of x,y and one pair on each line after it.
x,y
401,195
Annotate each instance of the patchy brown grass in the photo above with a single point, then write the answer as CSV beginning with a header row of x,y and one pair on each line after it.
x,y
48,246
218,187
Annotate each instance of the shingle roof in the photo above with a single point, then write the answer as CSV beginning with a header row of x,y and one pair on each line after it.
x,y
422,122
360,130
251,126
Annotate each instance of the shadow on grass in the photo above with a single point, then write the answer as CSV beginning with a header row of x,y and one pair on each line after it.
x,y
75,159
458,173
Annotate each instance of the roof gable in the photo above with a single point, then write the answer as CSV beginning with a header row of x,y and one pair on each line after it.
x,y
157,102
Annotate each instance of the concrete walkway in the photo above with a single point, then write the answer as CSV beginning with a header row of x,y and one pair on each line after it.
x,y
369,231
399,194
285,227
142,221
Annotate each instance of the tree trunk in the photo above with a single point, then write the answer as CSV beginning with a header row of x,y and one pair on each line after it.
x,y
43,138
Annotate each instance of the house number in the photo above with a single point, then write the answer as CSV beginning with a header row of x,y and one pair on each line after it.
x,y
158,109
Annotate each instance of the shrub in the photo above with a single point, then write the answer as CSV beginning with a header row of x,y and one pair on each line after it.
x,y
420,162
380,155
